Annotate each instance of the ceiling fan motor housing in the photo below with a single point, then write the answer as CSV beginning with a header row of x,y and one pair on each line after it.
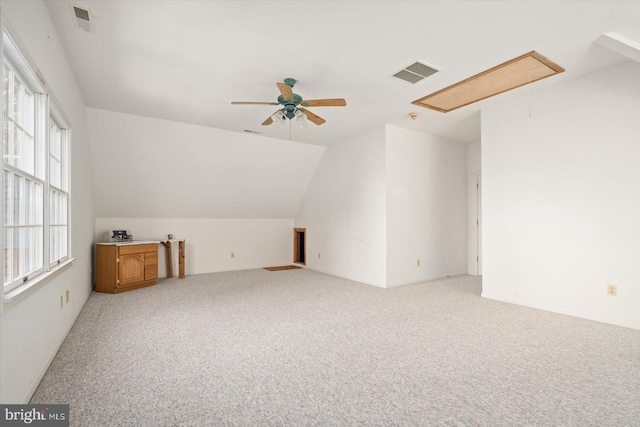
x,y
290,110
290,106
297,99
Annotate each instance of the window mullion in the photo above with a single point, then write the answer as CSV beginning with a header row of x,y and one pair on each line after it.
x,y
17,125
5,248
20,231
66,184
16,171
9,232
10,128
42,133
58,189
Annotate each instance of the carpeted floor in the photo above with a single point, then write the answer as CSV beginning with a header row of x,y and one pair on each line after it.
x,y
300,348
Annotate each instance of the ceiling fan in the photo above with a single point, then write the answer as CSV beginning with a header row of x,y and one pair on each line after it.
x,y
292,105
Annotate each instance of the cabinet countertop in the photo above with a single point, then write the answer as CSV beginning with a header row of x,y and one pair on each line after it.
x,y
139,242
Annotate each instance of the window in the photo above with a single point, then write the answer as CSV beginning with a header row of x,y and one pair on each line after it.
x,y
58,192
22,175
35,174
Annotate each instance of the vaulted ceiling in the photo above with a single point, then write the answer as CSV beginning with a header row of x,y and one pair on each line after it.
x,y
149,168
188,60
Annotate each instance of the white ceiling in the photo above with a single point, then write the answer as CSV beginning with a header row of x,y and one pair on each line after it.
x,y
188,60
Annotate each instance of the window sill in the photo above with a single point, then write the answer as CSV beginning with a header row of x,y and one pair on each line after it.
x,y
36,282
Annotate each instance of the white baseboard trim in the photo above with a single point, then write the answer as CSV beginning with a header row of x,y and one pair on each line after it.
x,y
603,318
285,263
233,269
412,282
426,279
341,276
36,381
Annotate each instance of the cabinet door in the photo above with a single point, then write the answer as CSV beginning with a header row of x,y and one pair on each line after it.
x,y
131,269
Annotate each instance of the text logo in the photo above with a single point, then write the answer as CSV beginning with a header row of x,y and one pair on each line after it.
x,y
34,415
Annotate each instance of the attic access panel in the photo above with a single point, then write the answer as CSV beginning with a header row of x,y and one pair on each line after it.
x,y
517,72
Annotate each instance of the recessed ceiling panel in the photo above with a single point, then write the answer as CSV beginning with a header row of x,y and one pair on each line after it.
x,y
517,72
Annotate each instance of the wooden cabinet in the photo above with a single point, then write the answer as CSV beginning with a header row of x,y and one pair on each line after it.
x,y
121,268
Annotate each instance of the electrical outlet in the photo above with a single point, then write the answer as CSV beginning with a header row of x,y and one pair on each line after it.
x,y
67,296
418,263
612,290
233,255
61,303
318,254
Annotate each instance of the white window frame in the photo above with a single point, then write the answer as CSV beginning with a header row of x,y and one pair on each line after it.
x,y
15,76
65,140
12,52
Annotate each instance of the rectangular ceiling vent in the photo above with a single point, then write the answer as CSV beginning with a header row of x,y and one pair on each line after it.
x,y
415,72
82,18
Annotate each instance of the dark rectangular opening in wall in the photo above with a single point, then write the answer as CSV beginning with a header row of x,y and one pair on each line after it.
x,y
299,245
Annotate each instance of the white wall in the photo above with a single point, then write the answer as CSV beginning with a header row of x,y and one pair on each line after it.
x,y
33,327
154,168
222,191
256,243
561,197
344,210
473,169
426,206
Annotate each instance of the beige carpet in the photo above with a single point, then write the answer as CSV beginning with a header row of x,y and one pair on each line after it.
x,y
252,348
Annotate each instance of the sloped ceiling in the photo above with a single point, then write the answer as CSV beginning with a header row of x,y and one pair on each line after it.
x,y
151,168
188,60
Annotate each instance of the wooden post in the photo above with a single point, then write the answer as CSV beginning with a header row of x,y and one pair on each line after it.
x,y
181,273
169,257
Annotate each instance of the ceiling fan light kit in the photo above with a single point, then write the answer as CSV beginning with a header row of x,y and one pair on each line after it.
x,y
292,104
301,119
279,118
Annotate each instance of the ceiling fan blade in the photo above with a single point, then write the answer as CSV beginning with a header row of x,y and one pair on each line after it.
x,y
255,103
335,102
269,120
312,117
286,91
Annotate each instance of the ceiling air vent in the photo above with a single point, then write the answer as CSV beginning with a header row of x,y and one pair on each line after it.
x,y
82,18
415,72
